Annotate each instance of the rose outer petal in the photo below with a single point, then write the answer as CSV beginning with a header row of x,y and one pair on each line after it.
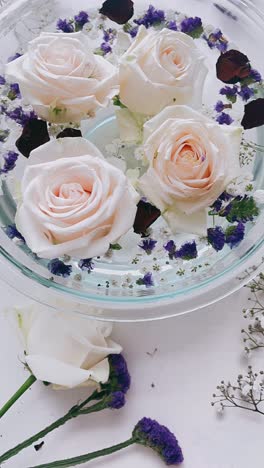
x,y
119,11
254,114
232,67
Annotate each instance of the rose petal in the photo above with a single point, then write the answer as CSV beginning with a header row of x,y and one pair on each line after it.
x,y
254,114
146,215
34,134
70,132
119,11
232,67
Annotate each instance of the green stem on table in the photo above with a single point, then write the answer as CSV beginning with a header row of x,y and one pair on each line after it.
x,y
17,395
89,456
72,413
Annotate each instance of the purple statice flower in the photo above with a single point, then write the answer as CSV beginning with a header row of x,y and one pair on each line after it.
x,y
2,80
10,160
216,40
220,106
116,400
65,26
170,247
12,232
147,280
255,75
14,57
150,433
188,251
14,91
216,237
151,17
224,119
109,35
246,93
106,48
172,25
81,19
229,91
190,25
119,379
86,264
133,31
235,234
4,135
20,116
58,268
217,205
148,245
226,196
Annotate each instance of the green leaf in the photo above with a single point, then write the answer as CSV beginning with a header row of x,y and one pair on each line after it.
x,y
115,247
243,210
118,103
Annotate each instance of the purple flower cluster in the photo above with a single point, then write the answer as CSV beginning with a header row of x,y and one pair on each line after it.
x,y
80,20
65,26
148,245
235,235
220,106
2,80
106,48
12,232
14,92
116,400
172,25
10,160
216,237
190,25
133,31
229,91
58,268
150,433
232,236
255,75
119,380
151,17
170,247
20,116
187,251
216,40
147,280
86,264
246,93
224,119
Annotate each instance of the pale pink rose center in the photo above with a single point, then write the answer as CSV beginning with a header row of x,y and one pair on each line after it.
x,y
73,192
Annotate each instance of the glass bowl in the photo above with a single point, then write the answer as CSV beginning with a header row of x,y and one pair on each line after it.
x,y
114,289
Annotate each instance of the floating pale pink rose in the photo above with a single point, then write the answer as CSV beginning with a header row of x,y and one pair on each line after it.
x,y
161,68
192,159
73,201
62,79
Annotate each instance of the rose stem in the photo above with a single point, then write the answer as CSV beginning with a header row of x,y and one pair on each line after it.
x,y
17,395
89,456
72,413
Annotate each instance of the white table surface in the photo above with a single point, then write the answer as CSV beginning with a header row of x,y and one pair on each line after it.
x,y
195,352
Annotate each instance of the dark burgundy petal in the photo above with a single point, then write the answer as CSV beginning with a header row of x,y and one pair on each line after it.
x,y
146,215
119,11
70,132
35,133
232,67
254,114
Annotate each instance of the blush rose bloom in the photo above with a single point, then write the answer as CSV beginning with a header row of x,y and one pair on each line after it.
x,y
73,201
64,349
161,68
192,159
62,79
